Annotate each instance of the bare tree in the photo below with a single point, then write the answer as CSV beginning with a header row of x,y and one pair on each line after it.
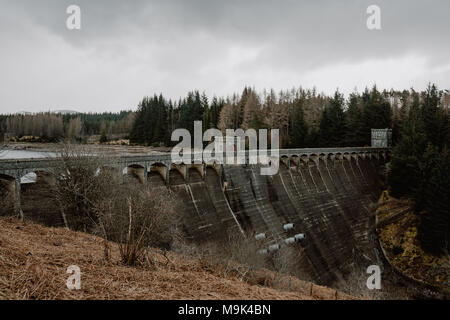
x,y
226,117
78,185
2,139
94,199
137,217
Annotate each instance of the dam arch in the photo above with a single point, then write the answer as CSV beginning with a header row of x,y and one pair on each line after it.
x,y
161,170
138,171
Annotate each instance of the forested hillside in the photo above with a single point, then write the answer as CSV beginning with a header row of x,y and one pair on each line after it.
x,y
305,118
52,127
420,122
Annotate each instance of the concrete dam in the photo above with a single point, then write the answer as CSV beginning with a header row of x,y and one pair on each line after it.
x,y
320,204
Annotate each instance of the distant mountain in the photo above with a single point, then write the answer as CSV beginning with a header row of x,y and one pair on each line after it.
x,y
55,111
65,111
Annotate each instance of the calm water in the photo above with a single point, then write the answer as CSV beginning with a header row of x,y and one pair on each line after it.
x,y
23,154
8,154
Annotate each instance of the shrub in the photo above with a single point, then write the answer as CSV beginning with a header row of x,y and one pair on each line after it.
x,y
138,217
93,199
103,138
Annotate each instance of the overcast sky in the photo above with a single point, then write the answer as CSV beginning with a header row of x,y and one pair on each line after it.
x,y
128,49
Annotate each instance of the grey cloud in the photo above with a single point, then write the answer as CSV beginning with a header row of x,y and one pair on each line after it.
x,y
180,40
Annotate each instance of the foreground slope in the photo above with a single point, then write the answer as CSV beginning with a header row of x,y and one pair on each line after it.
x,y
34,261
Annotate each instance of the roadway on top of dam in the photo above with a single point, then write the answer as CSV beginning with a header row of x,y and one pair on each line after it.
x,y
166,158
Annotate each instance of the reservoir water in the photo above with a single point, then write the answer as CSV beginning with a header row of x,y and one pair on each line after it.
x,y
8,154
24,154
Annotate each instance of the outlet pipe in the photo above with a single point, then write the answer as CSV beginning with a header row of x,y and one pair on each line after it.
x,y
299,236
289,240
274,247
260,236
288,226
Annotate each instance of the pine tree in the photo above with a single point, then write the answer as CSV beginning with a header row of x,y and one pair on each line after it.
x,y
435,120
103,137
299,128
434,229
354,136
216,106
252,112
405,176
332,125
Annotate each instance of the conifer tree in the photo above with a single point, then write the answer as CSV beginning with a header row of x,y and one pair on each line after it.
x,y
434,229
332,125
354,136
299,128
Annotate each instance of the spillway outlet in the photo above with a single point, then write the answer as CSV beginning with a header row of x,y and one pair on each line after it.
x,y
288,226
274,247
299,236
289,240
260,236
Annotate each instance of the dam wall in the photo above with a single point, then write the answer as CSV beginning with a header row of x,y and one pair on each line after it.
x,y
325,201
330,201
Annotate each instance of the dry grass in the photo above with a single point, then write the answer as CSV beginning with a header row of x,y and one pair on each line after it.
x,y
34,260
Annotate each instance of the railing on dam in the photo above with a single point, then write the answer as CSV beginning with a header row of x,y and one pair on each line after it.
x,y
9,166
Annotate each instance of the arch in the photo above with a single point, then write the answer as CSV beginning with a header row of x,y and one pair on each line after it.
x,y
216,166
135,165
331,156
199,167
7,184
137,171
304,158
346,156
293,161
285,160
161,169
313,158
177,174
